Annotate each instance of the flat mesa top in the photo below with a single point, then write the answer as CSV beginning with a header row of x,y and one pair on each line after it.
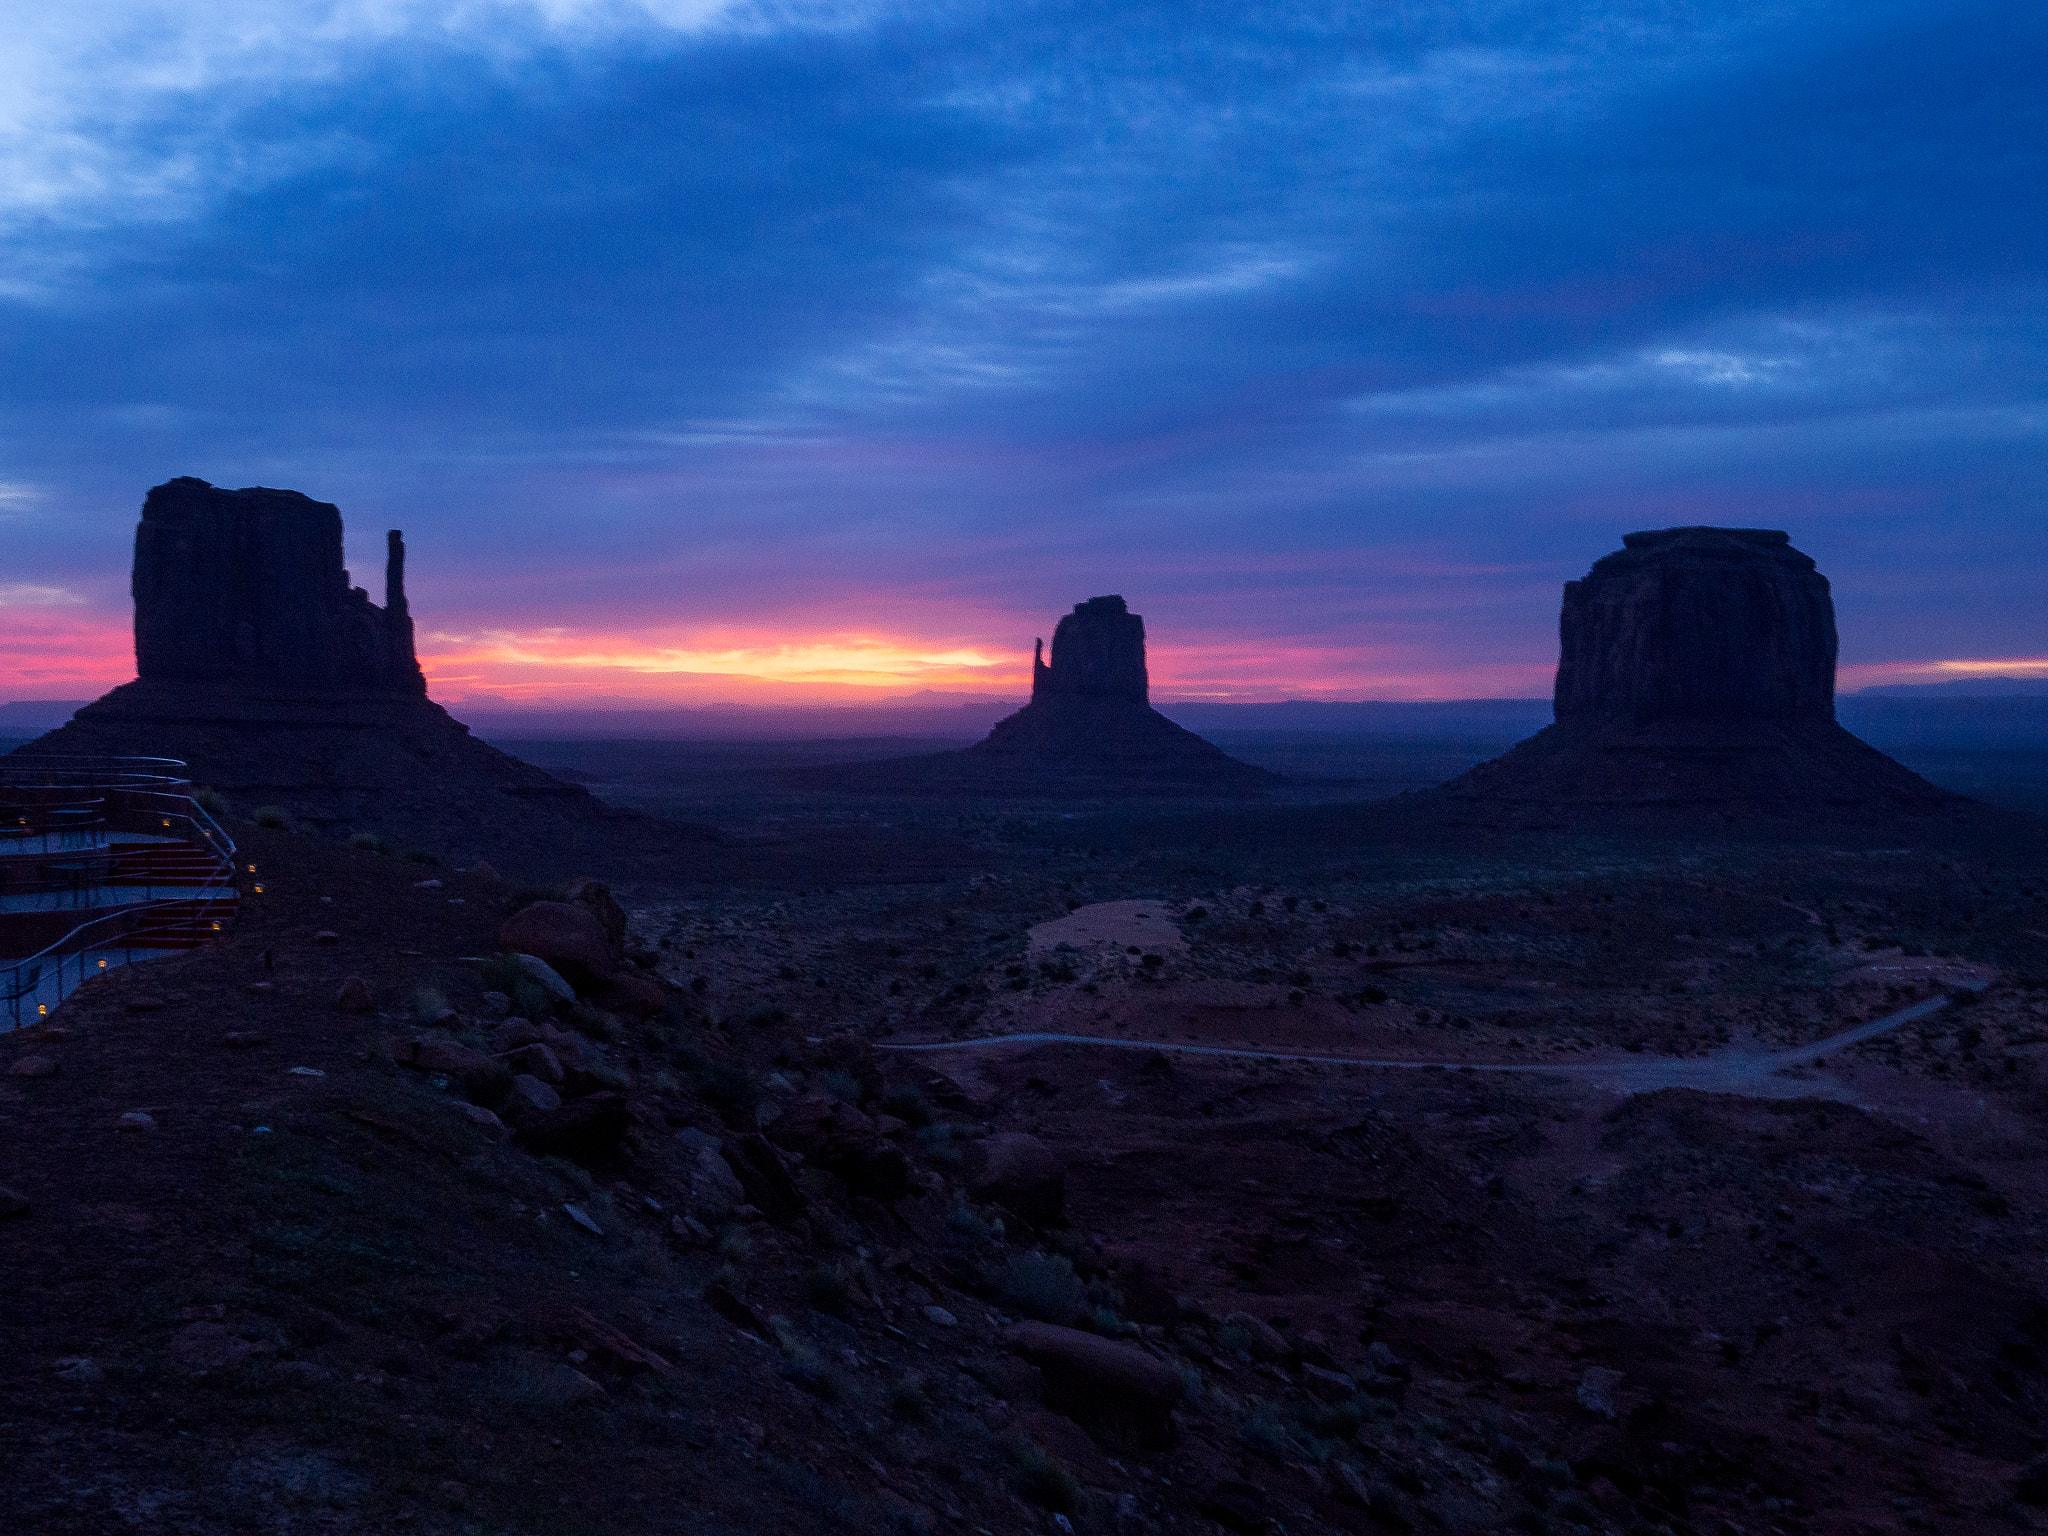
x,y
1701,532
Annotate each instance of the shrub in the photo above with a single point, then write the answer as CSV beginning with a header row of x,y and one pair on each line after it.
x,y
767,1018
421,856
964,1220
936,1142
842,1085
275,817
1045,1482
805,1366
369,842
1042,1285
211,801
907,1104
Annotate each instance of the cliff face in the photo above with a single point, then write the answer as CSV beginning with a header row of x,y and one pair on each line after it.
x,y
1098,652
248,586
1698,624
1696,676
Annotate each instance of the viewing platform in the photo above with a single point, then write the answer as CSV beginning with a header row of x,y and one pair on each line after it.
x,y
103,862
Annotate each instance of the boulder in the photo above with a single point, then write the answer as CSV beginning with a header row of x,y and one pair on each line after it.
x,y
529,1102
611,917
513,1033
714,1190
567,935
550,979
354,996
1088,1377
476,1072
1023,1175
538,1061
1262,1340
761,1170
11,1203
630,997
833,1135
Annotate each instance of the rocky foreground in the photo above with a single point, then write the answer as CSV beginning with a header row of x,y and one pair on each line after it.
x,y
331,1228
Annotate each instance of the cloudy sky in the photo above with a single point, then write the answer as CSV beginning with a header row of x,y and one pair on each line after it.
x,y
735,351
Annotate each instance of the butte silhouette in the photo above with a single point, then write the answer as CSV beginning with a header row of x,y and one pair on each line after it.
x,y
1696,675
1090,729
261,667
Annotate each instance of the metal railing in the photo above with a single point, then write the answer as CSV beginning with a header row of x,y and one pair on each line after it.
x,y
47,795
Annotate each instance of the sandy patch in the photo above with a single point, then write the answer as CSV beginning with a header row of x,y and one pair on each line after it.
x,y
1146,924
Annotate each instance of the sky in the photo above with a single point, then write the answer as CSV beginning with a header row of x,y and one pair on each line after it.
x,y
717,351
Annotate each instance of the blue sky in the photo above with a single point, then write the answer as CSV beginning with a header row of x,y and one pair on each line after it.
x,y
727,351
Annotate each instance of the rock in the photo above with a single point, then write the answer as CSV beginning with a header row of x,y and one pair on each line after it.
x,y
354,996
630,997
761,1170
723,1300
1690,623
495,1005
1262,1340
1600,1390
550,979
1327,1385
11,1203
1090,1377
426,885
142,1002
537,1060
940,1317
260,988
1696,674
302,1373
529,1099
515,1032
583,1219
483,1120
80,1370
567,935
326,936
568,1324
1024,1175
33,1066
447,1058
244,1039
611,917
715,1191
136,1120
210,566
563,1386
1089,726
482,870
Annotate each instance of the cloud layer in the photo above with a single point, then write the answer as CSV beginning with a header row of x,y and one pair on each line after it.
x,y
1334,337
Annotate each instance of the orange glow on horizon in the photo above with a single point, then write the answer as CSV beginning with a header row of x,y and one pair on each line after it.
x,y
74,653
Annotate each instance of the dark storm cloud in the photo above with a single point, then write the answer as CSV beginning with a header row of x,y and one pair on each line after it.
x,y
877,289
